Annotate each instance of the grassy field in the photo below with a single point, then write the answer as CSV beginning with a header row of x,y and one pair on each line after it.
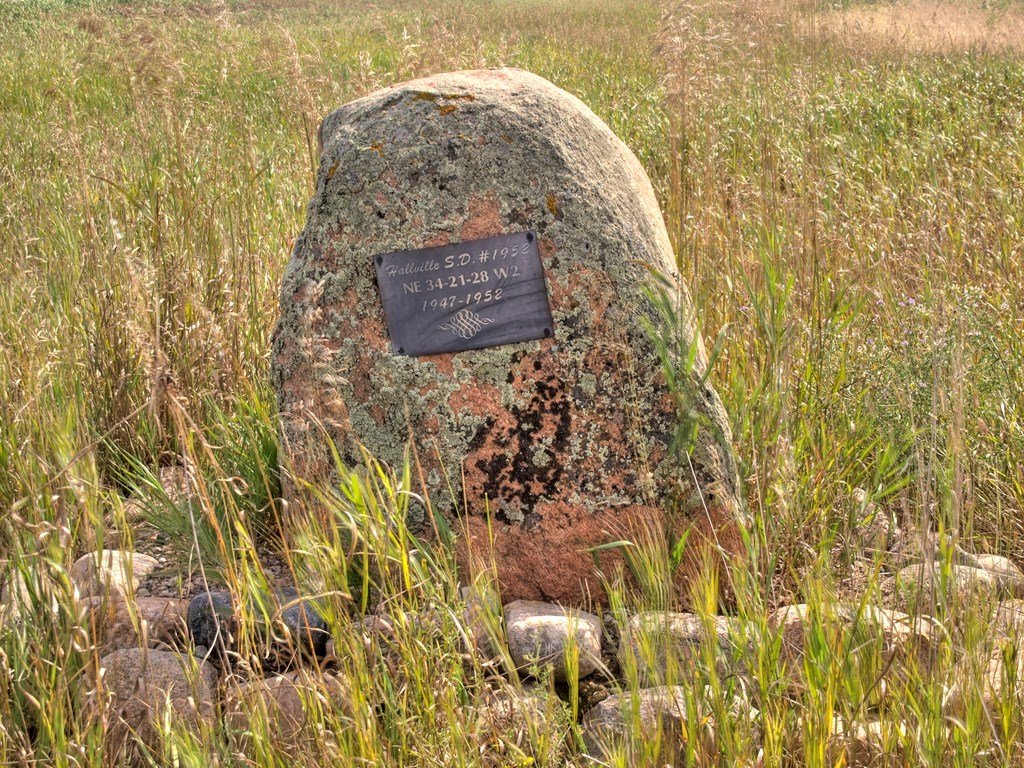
x,y
845,190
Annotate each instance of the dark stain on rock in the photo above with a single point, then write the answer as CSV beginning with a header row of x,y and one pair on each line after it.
x,y
515,474
477,441
521,217
513,363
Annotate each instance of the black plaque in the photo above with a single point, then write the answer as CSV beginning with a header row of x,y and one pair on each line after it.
x,y
469,295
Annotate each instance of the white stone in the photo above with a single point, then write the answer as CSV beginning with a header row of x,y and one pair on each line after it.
x,y
541,634
111,571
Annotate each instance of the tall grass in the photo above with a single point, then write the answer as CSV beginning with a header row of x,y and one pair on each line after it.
x,y
847,214
850,215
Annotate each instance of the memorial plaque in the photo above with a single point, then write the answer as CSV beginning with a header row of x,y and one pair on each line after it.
x,y
468,295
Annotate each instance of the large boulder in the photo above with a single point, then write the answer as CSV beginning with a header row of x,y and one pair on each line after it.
x,y
545,447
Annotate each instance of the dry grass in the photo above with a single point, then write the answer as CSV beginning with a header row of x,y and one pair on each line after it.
x,y
927,26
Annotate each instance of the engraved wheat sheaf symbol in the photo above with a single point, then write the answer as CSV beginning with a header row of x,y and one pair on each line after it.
x,y
466,324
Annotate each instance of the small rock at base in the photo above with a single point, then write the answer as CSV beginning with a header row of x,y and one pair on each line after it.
x,y
996,680
887,639
1008,620
1000,566
292,704
919,588
142,683
532,717
482,618
651,639
540,634
858,744
629,721
211,620
618,720
22,591
214,623
111,571
111,627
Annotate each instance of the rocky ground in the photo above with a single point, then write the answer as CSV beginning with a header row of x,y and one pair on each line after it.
x,y
164,635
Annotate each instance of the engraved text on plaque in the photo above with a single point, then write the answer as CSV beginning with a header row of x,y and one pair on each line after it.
x,y
468,295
